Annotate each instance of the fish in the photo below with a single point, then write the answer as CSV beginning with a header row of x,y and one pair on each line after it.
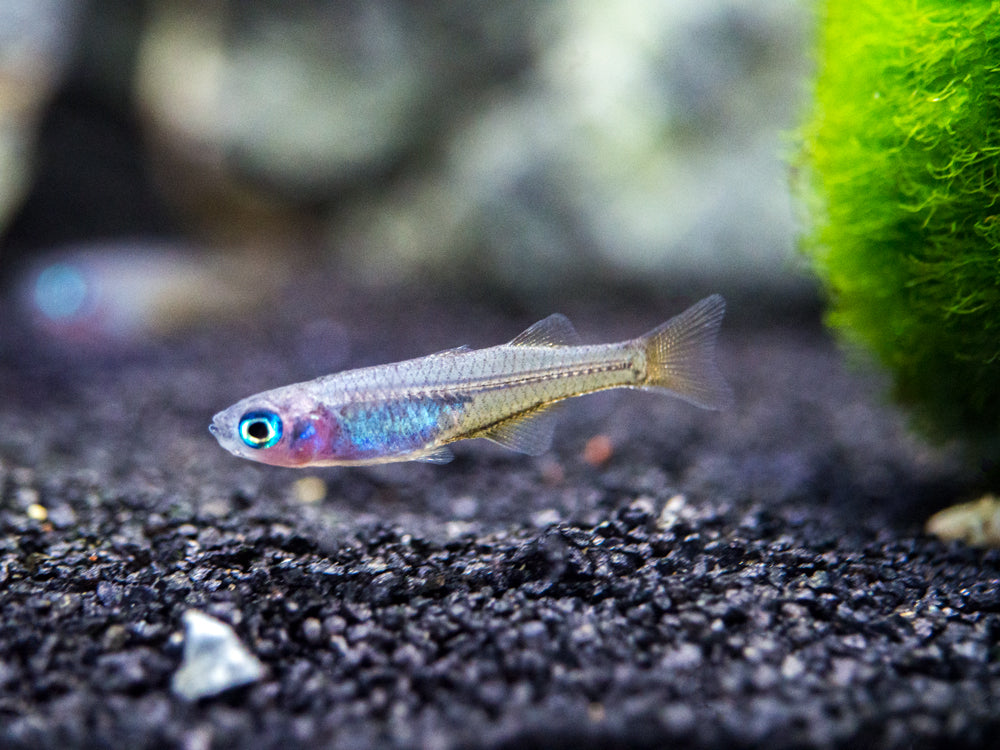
x,y
117,296
414,409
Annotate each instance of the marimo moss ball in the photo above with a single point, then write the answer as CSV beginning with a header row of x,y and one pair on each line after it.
x,y
901,161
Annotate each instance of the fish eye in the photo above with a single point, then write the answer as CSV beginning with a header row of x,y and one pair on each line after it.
x,y
260,429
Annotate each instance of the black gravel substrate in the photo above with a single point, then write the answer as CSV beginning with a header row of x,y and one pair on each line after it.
x,y
756,578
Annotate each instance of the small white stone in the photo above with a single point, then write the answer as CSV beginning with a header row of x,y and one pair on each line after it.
x,y
309,490
465,507
214,659
37,512
976,523
546,517
792,667
674,510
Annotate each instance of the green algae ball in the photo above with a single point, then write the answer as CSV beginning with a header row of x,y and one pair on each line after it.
x,y
900,166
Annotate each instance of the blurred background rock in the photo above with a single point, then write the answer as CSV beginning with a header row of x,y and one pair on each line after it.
x,y
522,146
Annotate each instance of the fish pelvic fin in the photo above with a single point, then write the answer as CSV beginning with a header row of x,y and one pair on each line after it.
x,y
680,356
440,455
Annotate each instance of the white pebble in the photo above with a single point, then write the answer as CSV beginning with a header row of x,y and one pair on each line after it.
x,y
214,659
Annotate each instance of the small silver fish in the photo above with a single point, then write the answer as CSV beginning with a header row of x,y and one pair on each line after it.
x,y
412,410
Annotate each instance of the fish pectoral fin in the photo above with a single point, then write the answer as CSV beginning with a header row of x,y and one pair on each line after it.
x,y
555,330
437,456
530,432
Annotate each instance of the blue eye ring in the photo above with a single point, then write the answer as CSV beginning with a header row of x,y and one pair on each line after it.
x,y
260,429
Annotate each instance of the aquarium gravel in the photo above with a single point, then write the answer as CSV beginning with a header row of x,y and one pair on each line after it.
x,y
749,578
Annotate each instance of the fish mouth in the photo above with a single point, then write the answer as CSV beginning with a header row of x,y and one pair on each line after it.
x,y
214,428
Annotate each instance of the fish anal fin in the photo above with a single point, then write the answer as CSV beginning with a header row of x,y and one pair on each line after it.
x,y
529,432
437,456
555,330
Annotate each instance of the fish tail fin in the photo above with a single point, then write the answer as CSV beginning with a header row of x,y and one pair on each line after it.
x,y
680,356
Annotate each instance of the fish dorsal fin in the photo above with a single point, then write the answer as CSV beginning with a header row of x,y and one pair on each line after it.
x,y
530,432
555,330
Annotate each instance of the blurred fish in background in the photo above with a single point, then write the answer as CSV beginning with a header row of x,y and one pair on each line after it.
x,y
115,295
523,146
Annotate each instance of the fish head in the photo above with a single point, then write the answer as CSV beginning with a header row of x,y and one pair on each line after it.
x,y
279,427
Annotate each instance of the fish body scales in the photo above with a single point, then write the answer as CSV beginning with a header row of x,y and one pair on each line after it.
x,y
522,380
419,405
